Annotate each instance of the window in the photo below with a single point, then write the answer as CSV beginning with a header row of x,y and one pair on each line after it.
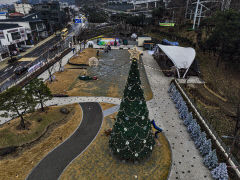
x,y
16,36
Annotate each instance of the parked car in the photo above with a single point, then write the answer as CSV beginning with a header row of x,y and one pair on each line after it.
x,y
20,70
22,49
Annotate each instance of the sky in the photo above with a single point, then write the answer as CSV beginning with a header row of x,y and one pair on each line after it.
x,y
7,1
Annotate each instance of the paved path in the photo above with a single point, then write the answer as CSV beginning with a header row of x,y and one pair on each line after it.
x,y
186,160
111,110
51,167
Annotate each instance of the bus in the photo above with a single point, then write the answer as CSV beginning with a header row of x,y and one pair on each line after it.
x,y
64,33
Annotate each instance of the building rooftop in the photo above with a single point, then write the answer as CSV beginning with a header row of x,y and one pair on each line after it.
x,y
16,14
29,18
8,26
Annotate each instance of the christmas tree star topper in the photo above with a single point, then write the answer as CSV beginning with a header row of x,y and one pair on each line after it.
x,y
135,53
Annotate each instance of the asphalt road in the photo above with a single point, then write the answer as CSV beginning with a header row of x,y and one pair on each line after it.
x,y
8,72
51,167
7,75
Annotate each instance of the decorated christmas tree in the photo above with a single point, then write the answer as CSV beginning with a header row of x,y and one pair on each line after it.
x,y
131,138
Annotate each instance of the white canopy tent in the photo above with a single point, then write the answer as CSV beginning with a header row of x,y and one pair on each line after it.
x,y
182,57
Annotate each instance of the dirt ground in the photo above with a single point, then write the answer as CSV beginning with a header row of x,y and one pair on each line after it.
x,y
112,73
97,163
82,58
18,165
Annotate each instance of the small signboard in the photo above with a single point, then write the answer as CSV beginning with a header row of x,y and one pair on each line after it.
x,y
167,24
78,20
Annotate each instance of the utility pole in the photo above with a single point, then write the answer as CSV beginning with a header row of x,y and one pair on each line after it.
x,y
195,14
225,4
198,8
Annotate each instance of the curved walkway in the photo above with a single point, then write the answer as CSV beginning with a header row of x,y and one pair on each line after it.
x,y
51,167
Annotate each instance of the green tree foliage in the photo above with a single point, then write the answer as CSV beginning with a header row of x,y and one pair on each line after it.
x,y
136,20
225,36
15,102
39,91
95,15
131,138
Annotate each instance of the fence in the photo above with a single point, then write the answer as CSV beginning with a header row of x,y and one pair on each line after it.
x,y
222,148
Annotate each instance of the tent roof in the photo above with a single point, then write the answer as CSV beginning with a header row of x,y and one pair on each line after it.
x,y
182,57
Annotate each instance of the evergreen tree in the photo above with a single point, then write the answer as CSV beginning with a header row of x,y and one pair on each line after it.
x,y
188,119
211,160
196,131
179,102
174,93
220,172
131,138
15,102
177,97
183,108
206,147
191,125
39,91
183,114
171,87
200,140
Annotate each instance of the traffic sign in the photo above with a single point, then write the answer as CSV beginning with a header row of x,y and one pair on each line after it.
x,y
78,20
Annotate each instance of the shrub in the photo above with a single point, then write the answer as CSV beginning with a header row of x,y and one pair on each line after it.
x,y
188,119
206,147
211,160
220,172
191,125
196,131
200,140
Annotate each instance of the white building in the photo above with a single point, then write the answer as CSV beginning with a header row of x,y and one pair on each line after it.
x,y
35,27
63,5
11,37
22,8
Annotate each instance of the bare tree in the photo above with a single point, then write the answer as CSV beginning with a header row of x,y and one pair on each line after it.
x,y
236,130
61,68
50,70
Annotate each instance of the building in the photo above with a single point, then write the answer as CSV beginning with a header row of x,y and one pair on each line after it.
x,y
3,15
35,27
51,14
136,4
12,36
22,8
15,15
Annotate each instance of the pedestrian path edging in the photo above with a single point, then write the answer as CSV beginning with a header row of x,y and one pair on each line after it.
x,y
209,131
59,178
57,145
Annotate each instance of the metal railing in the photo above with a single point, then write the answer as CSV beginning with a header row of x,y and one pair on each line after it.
x,y
213,134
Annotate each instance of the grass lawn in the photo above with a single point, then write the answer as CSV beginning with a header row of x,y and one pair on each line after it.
x,y
97,163
112,73
60,127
